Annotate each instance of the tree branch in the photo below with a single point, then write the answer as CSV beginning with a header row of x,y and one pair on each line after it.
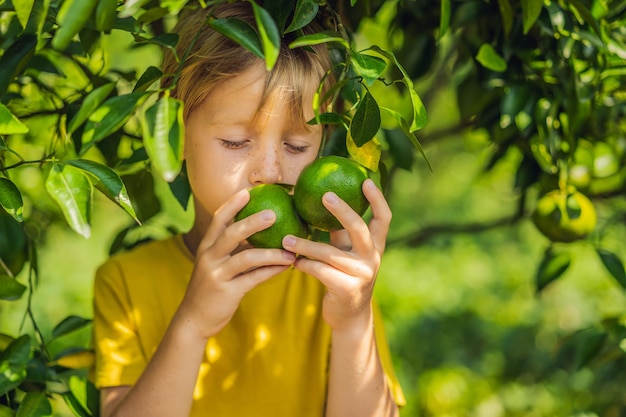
x,y
420,237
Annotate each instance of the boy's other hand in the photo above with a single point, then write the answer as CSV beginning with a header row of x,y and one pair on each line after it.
x,y
349,264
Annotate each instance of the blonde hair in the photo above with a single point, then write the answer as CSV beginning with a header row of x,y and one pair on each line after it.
x,y
210,57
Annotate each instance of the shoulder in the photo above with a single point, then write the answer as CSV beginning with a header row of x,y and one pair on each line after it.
x,y
145,259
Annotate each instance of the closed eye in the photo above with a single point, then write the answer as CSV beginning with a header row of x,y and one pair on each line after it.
x,y
229,144
295,148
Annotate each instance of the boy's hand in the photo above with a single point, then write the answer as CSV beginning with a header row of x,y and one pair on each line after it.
x,y
221,274
349,265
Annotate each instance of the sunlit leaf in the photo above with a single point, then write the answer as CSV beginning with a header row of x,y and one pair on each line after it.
x,y
34,404
316,39
73,15
304,13
614,265
366,120
11,199
109,117
69,325
108,183
85,393
13,363
23,9
367,155
71,189
420,117
164,134
89,105
131,7
10,288
240,32
490,59
531,9
270,36
552,266
368,66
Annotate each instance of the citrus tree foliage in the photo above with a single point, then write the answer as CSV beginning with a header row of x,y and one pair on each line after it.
x,y
544,79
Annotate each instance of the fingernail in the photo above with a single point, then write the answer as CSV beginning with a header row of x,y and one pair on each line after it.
x,y
289,241
289,255
267,215
370,184
331,197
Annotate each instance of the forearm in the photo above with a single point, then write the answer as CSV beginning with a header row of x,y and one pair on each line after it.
x,y
357,384
166,386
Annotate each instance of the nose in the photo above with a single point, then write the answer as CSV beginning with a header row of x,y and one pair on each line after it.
x,y
266,166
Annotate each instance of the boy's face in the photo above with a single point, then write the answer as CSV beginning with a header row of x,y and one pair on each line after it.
x,y
230,144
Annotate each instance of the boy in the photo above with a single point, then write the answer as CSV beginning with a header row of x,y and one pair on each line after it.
x,y
203,325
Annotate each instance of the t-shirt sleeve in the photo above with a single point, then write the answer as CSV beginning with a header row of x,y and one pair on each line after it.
x,y
385,358
119,357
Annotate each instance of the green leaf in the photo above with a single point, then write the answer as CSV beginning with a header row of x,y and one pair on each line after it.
x,y
131,7
34,404
109,117
6,411
316,39
531,9
72,17
420,117
240,32
506,12
329,118
164,134
73,404
366,120
444,20
552,266
22,10
89,105
614,265
404,126
490,59
10,288
305,12
588,343
11,199
85,393
150,75
9,124
13,363
15,58
368,66
586,15
270,37
71,189
280,11
69,325
108,183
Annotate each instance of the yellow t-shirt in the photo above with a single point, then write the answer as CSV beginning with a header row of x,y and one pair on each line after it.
x,y
270,360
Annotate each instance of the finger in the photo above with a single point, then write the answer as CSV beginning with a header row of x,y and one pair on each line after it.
x,y
351,221
251,259
346,262
257,276
381,214
223,216
233,235
332,278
